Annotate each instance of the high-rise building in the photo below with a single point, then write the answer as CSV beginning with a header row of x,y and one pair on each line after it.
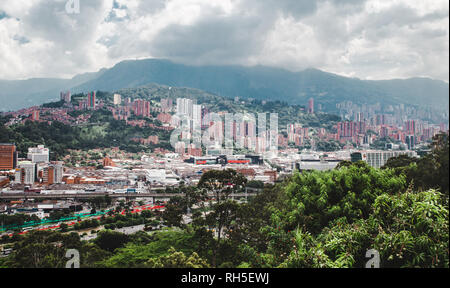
x,y
65,96
291,132
117,99
8,156
346,130
83,104
410,141
359,117
410,127
381,119
311,106
197,115
194,151
48,176
91,100
35,115
59,170
180,148
166,104
361,127
39,154
141,108
384,132
28,173
205,120
185,107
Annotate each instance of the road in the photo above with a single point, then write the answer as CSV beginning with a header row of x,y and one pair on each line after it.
x,y
130,230
125,230
19,196
137,209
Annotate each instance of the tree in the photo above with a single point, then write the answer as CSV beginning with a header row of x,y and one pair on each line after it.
x,y
177,260
429,172
111,240
174,211
43,249
222,184
253,217
414,230
64,227
317,198
255,184
440,153
400,161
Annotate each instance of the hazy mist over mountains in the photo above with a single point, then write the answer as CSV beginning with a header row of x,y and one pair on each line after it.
x,y
257,82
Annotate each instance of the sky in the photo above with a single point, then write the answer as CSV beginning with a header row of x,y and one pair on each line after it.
x,y
366,39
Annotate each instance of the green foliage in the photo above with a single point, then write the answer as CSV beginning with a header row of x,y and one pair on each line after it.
x,y
110,240
255,184
58,104
428,172
329,146
16,220
413,230
103,132
177,260
222,182
136,255
409,230
306,253
312,220
317,198
42,249
174,210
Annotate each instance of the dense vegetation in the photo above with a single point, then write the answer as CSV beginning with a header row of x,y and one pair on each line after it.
x,y
102,131
287,113
230,81
314,219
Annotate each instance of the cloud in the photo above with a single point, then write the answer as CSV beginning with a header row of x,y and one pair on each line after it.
x,y
363,38
3,15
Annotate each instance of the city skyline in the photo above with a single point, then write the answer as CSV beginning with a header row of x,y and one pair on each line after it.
x,y
226,134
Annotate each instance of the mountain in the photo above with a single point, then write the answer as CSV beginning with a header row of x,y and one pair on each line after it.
x,y
257,82
19,94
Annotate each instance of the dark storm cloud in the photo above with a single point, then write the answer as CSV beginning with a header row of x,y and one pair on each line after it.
x,y
229,39
222,40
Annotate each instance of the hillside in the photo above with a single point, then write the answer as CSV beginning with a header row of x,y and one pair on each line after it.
x,y
257,82
286,113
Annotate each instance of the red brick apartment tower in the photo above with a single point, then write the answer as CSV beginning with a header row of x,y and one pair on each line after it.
x,y
35,115
8,156
311,106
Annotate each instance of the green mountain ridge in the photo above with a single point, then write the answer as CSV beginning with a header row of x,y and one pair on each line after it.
x,y
259,82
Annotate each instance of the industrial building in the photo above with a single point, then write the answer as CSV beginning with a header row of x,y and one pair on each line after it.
x,y
378,158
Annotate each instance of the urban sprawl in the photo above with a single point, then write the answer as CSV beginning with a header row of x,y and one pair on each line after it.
x,y
146,177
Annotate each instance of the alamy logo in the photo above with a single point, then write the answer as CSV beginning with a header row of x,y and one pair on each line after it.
x,y
226,131
74,259
374,261
73,6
